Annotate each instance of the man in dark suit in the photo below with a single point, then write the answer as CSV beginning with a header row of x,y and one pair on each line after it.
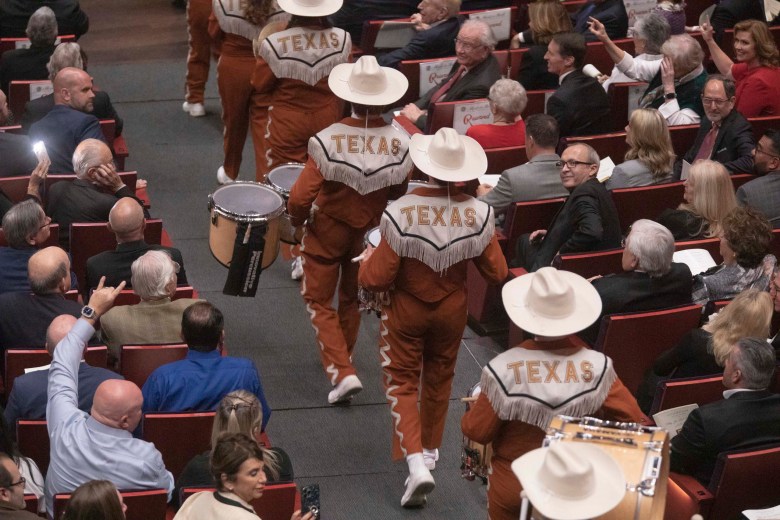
x,y
28,395
126,220
90,197
763,193
649,281
16,150
730,12
354,12
70,121
30,64
437,26
747,418
15,13
470,78
580,104
587,221
724,135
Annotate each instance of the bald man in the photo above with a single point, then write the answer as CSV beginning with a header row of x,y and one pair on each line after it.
x,y
90,197
28,394
97,446
25,316
70,121
126,220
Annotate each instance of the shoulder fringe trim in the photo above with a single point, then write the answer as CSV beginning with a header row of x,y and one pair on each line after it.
x,y
362,181
419,248
529,410
293,68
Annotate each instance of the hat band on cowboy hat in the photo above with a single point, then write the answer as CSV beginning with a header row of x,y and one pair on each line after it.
x,y
366,83
448,156
310,8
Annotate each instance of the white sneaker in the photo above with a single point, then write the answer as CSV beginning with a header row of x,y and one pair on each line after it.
x,y
297,268
418,485
430,457
344,391
194,109
222,177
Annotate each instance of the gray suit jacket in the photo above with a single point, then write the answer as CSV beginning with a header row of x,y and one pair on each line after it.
x,y
763,194
537,179
632,174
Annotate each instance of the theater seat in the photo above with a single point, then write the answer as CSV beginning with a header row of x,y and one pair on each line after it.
x,y
128,296
591,264
17,360
689,390
167,430
33,441
141,505
139,361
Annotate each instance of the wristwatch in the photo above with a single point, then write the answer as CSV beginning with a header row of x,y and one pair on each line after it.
x,y
670,96
89,313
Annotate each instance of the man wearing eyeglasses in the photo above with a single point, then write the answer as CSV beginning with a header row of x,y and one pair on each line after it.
x,y
724,135
763,193
12,491
588,220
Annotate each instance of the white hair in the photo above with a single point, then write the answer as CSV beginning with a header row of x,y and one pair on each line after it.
x,y
151,274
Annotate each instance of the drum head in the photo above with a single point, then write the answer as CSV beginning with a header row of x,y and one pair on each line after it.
x,y
283,177
374,237
247,201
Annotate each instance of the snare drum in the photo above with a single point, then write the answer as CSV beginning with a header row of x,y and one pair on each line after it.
x,y
474,457
281,179
244,202
371,301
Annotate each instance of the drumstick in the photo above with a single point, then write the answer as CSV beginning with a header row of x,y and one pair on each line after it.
x,y
359,258
468,399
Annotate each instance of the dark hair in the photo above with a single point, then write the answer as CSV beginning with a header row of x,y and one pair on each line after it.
x,y
729,87
232,450
50,283
572,44
773,135
5,477
373,110
749,235
543,129
94,500
201,326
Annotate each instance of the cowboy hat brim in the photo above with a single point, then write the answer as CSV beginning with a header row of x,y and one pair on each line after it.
x,y
396,87
474,165
325,8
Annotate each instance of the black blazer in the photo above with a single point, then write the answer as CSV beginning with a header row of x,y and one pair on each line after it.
x,y
729,12
17,156
533,73
580,106
24,65
354,13
436,42
24,318
745,420
733,145
36,109
612,13
473,85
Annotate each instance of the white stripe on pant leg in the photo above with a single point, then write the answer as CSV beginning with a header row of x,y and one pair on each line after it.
x,y
384,347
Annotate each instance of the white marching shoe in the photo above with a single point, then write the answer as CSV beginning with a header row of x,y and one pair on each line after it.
x,y
419,483
297,268
430,457
222,177
194,109
344,391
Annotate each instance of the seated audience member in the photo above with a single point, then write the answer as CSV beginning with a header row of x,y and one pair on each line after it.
x,y
12,504
15,149
747,418
238,412
26,228
515,406
237,466
708,198
68,55
354,13
757,73
126,220
588,220
201,380
30,64
25,316
539,178
650,154
673,11
95,499
157,319
81,442
724,135
580,104
90,197
545,19
745,244
650,33
14,15
70,121
33,480
471,77
437,27
763,194
650,280
730,12
507,100
28,395
610,13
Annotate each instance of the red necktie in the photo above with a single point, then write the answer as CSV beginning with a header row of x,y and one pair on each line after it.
x,y
447,86
705,150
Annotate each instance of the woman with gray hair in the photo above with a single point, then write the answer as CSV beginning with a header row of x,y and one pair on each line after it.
x,y
30,64
507,100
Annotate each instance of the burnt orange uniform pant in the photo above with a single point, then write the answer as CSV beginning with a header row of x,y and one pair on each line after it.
x,y
418,346
199,56
327,248
289,131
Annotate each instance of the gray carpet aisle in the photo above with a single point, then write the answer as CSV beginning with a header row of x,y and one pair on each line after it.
x,y
346,450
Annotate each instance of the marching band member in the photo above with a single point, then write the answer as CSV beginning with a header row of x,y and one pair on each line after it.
x,y
554,373
428,237
354,166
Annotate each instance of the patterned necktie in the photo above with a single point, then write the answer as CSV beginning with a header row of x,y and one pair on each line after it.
x,y
705,150
447,86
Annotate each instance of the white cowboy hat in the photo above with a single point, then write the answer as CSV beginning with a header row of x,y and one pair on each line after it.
x,y
448,156
571,481
367,83
310,8
550,302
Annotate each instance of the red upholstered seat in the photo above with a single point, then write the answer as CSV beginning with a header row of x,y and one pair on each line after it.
x,y
166,431
689,390
141,505
53,240
500,159
33,440
139,361
278,502
646,201
591,264
17,360
526,217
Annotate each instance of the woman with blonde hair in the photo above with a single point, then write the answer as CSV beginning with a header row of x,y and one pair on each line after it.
x,y
546,19
757,73
709,197
650,155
